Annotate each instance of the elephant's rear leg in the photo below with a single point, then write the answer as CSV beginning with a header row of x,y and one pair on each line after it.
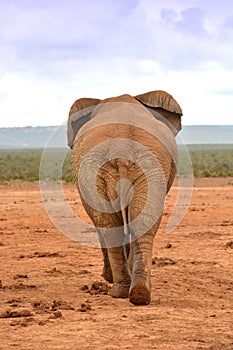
x,y
116,269
140,289
117,257
120,270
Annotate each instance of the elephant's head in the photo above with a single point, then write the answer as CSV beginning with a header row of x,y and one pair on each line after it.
x,y
162,105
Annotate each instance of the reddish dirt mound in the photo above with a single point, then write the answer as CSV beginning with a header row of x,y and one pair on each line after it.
x,y
52,295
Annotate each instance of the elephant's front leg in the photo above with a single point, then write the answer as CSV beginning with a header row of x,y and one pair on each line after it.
x,y
107,271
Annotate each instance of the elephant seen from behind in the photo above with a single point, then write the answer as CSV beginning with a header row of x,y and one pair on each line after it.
x,y
124,158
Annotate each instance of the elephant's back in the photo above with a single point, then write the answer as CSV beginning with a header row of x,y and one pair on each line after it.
x,y
106,143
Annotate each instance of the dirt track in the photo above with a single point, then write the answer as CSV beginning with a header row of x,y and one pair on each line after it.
x,y
49,298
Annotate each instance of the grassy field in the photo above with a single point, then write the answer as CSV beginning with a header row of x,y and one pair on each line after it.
x,y
25,165
207,161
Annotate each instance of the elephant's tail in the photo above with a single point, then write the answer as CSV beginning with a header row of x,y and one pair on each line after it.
x,y
124,191
125,220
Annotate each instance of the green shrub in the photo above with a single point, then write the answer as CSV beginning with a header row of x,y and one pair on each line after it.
x,y
214,161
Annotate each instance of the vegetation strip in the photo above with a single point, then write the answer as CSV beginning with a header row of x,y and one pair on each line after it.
x,y
207,161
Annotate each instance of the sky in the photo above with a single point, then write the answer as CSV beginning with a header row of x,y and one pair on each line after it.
x,y
53,52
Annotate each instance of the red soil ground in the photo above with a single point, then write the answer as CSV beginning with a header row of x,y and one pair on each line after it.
x,y
52,295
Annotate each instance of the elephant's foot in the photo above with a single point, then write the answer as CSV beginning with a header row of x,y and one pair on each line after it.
x,y
140,294
107,274
120,290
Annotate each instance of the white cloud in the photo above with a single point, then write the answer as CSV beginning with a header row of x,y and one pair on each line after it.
x,y
53,52
39,102
26,101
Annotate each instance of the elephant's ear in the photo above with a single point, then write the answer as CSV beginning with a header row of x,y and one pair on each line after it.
x,y
80,113
165,104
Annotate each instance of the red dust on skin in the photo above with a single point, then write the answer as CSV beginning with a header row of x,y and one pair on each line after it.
x,y
67,302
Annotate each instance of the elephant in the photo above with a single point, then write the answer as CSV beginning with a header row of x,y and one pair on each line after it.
x,y
124,161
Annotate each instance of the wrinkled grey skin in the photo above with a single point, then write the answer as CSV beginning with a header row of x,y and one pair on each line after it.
x,y
141,150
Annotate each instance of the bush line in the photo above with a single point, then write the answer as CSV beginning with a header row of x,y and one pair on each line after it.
x,y
24,164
